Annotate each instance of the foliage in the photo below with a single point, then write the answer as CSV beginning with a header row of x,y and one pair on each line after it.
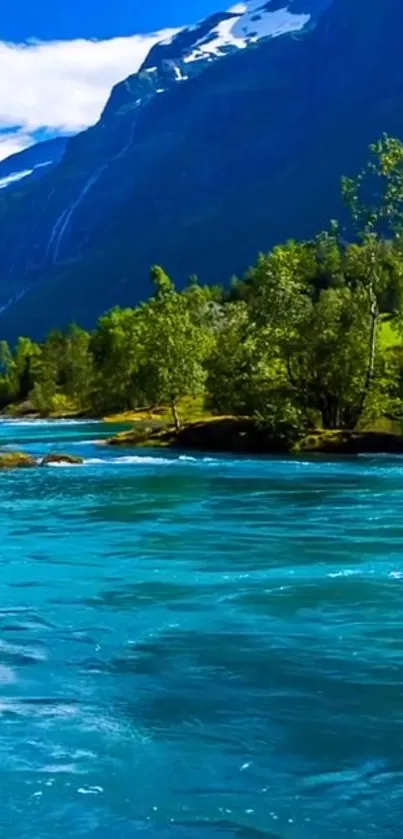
x,y
375,195
176,341
375,199
310,337
232,366
116,347
327,359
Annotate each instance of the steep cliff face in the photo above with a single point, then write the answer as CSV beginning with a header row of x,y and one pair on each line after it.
x,y
232,136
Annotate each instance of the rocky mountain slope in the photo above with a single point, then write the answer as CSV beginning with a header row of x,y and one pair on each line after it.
x,y
233,135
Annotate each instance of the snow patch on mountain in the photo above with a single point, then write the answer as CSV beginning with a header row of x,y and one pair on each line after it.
x,y
16,176
32,163
247,23
185,54
24,173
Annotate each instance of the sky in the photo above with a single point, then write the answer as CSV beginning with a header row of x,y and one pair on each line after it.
x,y
59,60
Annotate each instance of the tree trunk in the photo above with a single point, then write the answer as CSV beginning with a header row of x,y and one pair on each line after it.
x,y
176,418
374,315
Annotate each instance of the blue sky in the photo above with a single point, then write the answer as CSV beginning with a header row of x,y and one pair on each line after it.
x,y
54,19
59,60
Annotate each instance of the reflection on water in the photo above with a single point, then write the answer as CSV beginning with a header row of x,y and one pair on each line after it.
x,y
194,647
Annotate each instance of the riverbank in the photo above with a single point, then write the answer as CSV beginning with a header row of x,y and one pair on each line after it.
x,y
246,436
191,410
204,432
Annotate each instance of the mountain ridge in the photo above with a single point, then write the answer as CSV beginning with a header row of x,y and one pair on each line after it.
x,y
184,55
269,127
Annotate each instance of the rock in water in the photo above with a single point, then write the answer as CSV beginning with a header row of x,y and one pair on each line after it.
x,y
16,460
69,459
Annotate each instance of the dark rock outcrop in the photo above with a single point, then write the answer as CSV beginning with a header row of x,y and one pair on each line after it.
x,y
239,435
350,443
22,460
219,434
229,435
70,459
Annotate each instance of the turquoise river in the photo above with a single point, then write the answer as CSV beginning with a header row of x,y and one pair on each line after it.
x,y
199,647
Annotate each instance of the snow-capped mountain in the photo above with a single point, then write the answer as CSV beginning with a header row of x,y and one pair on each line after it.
x,y
31,163
246,24
186,54
232,136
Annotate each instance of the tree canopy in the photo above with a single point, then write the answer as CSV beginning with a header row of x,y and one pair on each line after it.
x,y
298,342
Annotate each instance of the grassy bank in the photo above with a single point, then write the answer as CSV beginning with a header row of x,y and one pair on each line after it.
x,y
203,431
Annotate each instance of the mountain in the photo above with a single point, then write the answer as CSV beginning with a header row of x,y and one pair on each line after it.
x,y
189,53
31,163
232,136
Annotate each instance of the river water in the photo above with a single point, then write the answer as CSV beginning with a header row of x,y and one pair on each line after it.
x,y
195,647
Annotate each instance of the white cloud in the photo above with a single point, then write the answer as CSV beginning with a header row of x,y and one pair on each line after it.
x,y
14,142
62,86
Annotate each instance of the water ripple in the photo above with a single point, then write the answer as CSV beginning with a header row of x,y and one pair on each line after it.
x,y
194,647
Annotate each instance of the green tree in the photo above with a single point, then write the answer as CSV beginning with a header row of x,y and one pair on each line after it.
x,y
308,310
63,372
77,367
118,350
7,386
278,289
6,358
232,365
375,199
26,359
326,359
175,344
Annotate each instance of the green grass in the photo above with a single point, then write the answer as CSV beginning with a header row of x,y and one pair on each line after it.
x,y
389,336
190,410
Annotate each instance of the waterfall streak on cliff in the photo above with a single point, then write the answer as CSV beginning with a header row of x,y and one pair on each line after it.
x,y
62,223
